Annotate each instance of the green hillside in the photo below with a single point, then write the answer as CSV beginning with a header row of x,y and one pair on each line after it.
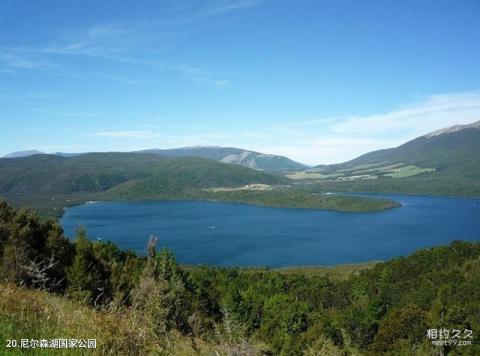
x,y
442,162
138,306
96,172
48,183
53,181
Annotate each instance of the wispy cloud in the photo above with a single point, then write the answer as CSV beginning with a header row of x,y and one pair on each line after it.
x,y
109,41
12,61
5,95
78,114
190,11
333,140
431,113
201,75
320,140
134,45
104,41
216,7
329,140
122,79
136,134
139,43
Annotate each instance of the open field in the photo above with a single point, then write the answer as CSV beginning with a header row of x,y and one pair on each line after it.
x,y
360,172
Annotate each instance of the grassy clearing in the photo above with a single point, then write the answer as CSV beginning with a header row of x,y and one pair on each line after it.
x,y
312,175
408,171
381,169
260,187
362,172
363,166
340,272
357,177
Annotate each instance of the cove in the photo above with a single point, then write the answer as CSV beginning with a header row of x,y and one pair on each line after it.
x,y
228,234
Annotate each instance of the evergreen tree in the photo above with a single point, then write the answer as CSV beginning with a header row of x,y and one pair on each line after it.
x,y
162,292
25,244
61,250
86,274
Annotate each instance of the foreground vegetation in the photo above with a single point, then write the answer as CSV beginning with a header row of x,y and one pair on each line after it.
x,y
52,288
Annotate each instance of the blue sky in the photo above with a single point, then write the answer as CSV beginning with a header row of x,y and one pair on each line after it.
x,y
320,81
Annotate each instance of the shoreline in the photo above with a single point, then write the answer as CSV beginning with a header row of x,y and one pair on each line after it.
x,y
394,204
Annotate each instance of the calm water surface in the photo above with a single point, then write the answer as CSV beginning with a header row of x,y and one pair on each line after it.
x,y
235,234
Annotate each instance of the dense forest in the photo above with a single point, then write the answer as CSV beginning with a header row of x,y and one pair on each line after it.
x,y
49,183
52,287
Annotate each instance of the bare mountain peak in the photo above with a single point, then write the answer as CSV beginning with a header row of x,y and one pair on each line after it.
x,y
455,128
20,154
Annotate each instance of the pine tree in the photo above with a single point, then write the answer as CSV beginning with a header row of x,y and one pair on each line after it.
x,y
85,280
25,243
61,250
162,294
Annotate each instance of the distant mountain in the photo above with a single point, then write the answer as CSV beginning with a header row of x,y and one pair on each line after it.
x,y
444,162
251,159
20,154
453,149
64,154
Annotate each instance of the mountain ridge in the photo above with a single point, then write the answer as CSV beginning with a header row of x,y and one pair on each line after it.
x,y
25,153
232,155
454,128
442,162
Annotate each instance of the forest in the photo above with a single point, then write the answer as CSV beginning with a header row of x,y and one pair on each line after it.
x,y
52,286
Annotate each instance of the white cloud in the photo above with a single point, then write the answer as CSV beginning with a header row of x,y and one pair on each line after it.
x,y
216,7
11,61
432,113
335,140
78,114
134,45
189,11
326,140
201,75
121,79
137,134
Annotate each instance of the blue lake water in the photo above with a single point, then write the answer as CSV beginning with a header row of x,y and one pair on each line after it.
x,y
244,235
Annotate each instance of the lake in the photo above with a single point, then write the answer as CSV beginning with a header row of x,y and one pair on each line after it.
x,y
244,235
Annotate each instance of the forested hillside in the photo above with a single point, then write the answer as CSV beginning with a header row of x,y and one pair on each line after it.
x,y
97,172
48,183
136,305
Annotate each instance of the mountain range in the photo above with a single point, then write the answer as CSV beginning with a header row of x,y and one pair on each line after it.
x,y
251,159
443,162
